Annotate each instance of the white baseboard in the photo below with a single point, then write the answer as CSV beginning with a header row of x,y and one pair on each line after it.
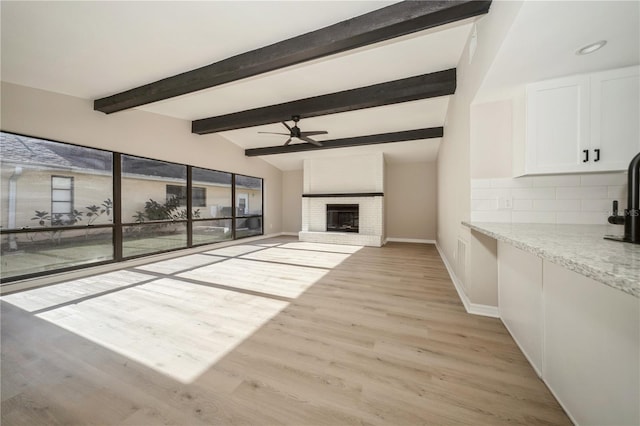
x,y
471,308
292,234
409,240
484,310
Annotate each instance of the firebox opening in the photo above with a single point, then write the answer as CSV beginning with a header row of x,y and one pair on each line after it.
x,y
342,217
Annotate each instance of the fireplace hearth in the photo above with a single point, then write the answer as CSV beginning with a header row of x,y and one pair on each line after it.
x,y
342,217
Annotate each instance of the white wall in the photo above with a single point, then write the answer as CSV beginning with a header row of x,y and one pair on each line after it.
x,y
362,173
454,155
491,139
410,200
64,118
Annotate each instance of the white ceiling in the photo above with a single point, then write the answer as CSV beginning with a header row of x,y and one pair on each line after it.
x,y
545,35
95,49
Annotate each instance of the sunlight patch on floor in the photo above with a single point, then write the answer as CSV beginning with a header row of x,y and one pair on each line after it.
x,y
176,328
172,266
181,328
298,257
233,251
45,297
269,278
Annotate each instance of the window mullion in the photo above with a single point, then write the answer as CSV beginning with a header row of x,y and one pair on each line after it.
x,y
189,206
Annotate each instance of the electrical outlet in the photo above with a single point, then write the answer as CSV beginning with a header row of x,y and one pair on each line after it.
x,y
505,203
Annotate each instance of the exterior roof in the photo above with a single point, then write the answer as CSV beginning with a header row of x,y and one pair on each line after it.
x,y
25,150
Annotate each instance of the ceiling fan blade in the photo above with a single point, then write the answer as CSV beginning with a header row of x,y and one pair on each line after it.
x,y
287,126
287,142
318,132
274,133
311,141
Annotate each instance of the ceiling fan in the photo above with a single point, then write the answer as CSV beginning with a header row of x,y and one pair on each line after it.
x,y
294,132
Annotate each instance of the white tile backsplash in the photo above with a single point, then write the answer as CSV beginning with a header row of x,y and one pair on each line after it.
x,y
522,205
603,206
607,179
489,193
534,193
523,182
617,193
480,205
580,199
582,192
555,205
556,180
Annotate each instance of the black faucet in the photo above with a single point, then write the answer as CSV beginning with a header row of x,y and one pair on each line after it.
x,y
631,216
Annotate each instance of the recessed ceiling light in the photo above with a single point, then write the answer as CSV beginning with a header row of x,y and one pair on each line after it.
x,y
590,48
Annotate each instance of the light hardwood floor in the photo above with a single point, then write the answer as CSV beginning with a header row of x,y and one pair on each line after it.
x,y
373,337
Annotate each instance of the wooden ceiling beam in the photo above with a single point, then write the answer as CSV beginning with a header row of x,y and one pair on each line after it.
x,y
389,22
424,86
407,135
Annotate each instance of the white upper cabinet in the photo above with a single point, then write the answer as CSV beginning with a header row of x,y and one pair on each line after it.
x,y
583,123
615,118
557,125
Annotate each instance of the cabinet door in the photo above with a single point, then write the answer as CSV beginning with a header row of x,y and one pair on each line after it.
x,y
520,300
615,111
591,348
557,125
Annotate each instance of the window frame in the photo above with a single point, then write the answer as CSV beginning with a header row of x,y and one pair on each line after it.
x,y
118,224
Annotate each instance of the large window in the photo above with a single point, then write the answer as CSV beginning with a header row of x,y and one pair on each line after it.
x,y
179,193
62,206
213,220
248,192
56,206
153,221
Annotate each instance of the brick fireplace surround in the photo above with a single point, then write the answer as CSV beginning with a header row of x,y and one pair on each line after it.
x,y
344,181
371,215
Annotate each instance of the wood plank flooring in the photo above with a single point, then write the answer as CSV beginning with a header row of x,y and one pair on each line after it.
x,y
378,338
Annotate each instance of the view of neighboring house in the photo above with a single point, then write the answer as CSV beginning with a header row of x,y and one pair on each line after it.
x,y
53,185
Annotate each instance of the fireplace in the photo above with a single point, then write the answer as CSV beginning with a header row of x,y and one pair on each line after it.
x,y
342,217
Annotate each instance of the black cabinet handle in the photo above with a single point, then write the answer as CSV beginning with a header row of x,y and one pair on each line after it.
x,y
597,154
586,155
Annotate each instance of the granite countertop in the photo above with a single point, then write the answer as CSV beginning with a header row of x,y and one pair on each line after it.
x,y
579,248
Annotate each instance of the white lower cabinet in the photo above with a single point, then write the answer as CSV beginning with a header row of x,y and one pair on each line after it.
x,y
520,299
591,348
581,336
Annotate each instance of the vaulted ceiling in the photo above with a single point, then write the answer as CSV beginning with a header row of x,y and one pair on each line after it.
x,y
94,50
